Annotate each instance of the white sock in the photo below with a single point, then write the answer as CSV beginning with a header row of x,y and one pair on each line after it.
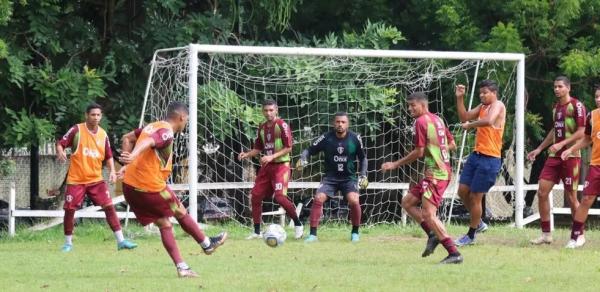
x,y
119,236
182,266
69,239
205,243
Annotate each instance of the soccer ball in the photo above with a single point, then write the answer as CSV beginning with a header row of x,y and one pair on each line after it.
x,y
275,235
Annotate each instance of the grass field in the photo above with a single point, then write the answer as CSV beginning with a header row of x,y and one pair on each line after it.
x,y
387,259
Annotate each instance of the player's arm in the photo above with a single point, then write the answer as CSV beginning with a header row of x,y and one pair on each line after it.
x,y
313,149
112,176
128,140
415,154
547,142
160,139
65,142
464,115
450,139
495,110
363,182
581,143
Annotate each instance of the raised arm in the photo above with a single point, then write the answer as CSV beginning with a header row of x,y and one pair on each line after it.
x,y
464,115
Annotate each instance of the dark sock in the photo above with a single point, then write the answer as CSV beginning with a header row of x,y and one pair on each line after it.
x,y
288,206
545,226
257,228
355,229
449,246
425,227
576,229
69,222
313,231
471,233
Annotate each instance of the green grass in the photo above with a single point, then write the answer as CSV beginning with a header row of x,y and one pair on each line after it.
x,y
387,259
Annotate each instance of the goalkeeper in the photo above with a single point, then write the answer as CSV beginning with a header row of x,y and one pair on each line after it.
x,y
341,148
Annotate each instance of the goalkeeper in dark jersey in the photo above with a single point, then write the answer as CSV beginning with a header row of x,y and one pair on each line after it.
x,y
341,148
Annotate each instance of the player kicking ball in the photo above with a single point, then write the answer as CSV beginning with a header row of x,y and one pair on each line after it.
x,y
591,189
433,140
147,168
341,148
274,139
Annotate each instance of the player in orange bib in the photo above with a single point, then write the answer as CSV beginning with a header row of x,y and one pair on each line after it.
x,y
91,148
148,166
480,171
591,189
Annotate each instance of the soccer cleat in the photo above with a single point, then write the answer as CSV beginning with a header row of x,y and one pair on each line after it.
x,y
66,247
298,231
580,240
254,236
432,243
545,238
126,244
452,259
215,242
354,237
572,244
311,238
186,273
482,227
464,240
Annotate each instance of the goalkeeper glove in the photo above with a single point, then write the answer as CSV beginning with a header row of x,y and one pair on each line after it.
x,y
301,163
363,182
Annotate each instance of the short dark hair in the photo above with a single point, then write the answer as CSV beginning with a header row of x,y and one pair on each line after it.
x,y
175,108
564,79
490,84
340,114
269,101
92,106
418,96
597,87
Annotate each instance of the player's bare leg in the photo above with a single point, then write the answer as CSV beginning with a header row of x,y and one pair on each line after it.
x,y
475,211
464,192
168,240
410,203
113,221
316,211
579,220
355,215
544,188
208,244
428,212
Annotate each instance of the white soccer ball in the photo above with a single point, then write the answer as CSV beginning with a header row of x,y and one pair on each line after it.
x,y
274,235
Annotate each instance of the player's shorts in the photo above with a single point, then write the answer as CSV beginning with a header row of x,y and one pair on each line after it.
x,y
555,169
430,189
480,171
592,182
272,179
330,186
151,206
97,192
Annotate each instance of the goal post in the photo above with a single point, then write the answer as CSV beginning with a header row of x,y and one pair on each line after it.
x,y
185,64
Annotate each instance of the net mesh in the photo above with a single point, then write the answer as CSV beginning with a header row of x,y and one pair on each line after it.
x,y
309,90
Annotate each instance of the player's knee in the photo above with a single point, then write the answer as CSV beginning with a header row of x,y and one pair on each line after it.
x,y
407,202
352,198
588,201
180,212
320,197
107,206
254,198
163,223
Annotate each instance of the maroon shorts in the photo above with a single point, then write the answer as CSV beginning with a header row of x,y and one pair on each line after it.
x,y
272,179
556,169
151,206
97,192
430,189
592,182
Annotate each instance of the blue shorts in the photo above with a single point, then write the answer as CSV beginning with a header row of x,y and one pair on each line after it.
x,y
480,172
330,186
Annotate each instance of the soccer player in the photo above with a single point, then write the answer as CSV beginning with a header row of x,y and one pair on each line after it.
x,y
592,182
147,168
433,140
90,146
274,140
569,125
482,166
341,148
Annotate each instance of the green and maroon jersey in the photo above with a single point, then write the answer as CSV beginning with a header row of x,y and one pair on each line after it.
x,y
567,119
431,133
272,137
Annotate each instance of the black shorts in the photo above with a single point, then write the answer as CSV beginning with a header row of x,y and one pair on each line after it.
x,y
330,186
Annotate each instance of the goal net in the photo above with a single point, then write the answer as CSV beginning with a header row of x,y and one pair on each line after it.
x,y
225,86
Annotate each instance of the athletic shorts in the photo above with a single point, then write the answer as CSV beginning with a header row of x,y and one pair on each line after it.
x,y
272,179
151,206
480,172
330,186
555,169
97,192
592,182
430,189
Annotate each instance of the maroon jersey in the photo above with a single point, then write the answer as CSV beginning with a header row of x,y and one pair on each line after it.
x,y
567,119
272,137
431,132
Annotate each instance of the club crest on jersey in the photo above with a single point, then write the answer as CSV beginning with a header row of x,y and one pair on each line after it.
x,y
598,135
269,136
558,115
91,152
340,150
